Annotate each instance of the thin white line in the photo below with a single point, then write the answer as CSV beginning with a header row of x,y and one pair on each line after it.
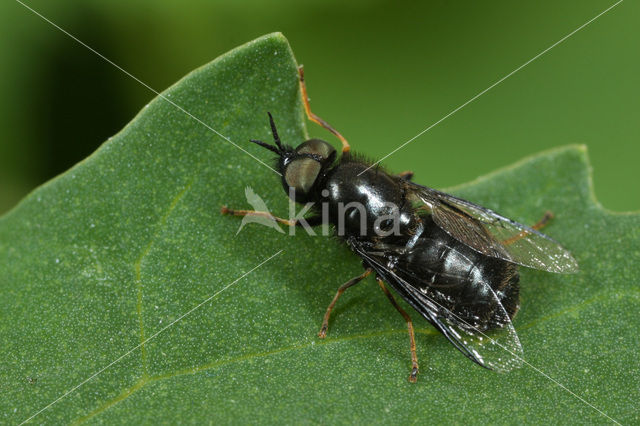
x,y
151,337
493,85
523,360
149,87
572,393
531,366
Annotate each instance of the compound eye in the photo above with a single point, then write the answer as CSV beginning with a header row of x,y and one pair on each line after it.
x,y
302,173
317,147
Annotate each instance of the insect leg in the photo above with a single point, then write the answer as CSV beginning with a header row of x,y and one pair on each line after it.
x,y
413,377
311,221
548,215
353,281
315,118
406,175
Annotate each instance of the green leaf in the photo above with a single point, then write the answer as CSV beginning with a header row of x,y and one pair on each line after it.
x,y
130,240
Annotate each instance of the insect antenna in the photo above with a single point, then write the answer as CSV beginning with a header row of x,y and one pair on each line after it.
x,y
276,138
266,145
279,148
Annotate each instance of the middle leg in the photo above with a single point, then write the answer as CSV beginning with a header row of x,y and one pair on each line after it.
x,y
325,322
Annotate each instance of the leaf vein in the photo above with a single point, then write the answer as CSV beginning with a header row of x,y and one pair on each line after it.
x,y
216,364
138,271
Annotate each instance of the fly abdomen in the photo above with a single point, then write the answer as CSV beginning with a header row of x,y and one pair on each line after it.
x,y
442,263
467,283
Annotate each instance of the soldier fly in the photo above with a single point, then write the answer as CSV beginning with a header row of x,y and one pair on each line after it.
x,y
453,261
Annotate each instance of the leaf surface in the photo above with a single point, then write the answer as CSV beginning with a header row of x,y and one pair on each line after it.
x,y
131,239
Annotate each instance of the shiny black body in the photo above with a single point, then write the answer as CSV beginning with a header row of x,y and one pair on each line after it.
x,y
434,263
453,261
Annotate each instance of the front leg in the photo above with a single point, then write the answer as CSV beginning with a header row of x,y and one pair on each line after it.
x,y
307,108
311,221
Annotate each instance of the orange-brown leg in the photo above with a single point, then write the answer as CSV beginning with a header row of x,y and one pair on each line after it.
x,y
413,377
407,175
307,221
228,211
548,215
325,322
315,118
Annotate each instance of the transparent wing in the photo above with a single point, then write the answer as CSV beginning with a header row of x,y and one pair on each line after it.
x,y
491,234
496,347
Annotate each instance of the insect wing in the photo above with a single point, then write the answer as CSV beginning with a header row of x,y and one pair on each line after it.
x,y
497,349
492,234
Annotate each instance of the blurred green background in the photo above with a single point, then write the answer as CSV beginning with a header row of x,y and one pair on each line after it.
x,y
379,71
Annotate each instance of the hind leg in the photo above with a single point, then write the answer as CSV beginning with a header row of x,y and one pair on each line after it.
x,y
548,215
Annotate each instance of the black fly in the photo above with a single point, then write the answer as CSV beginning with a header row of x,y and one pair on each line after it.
x,y
453,261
